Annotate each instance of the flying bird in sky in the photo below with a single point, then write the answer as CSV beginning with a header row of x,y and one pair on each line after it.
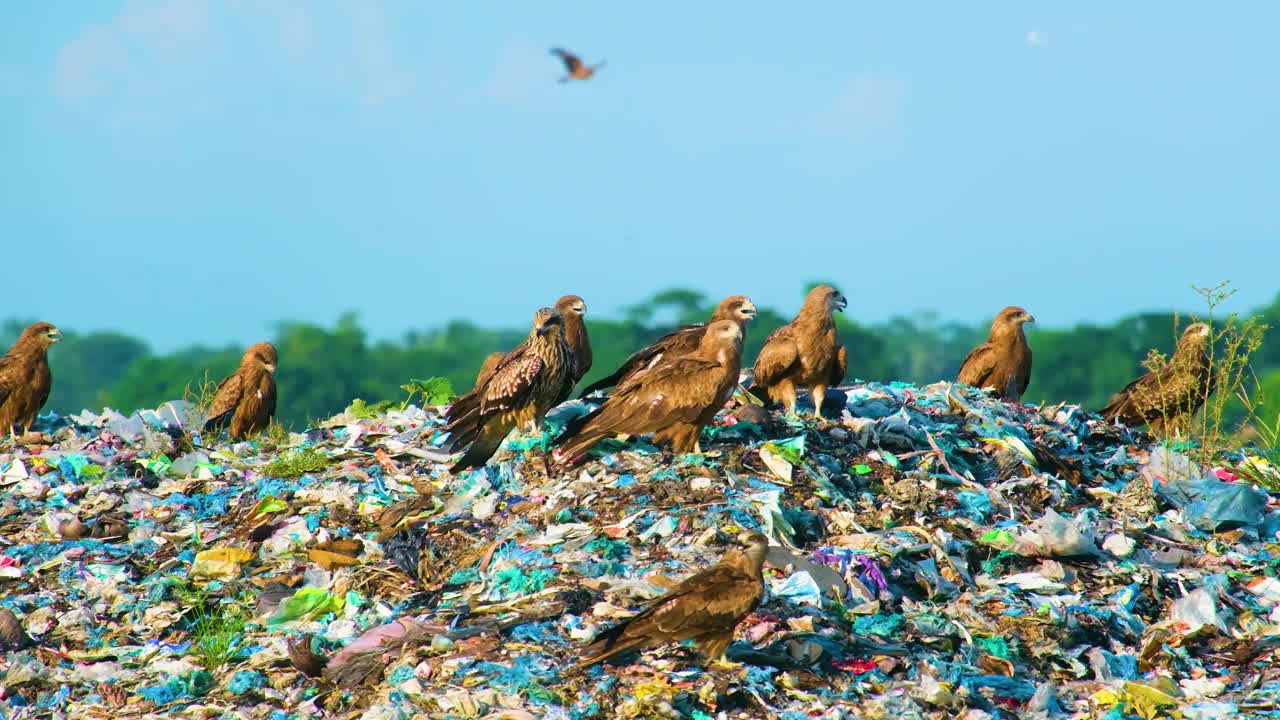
x,y
1174,391
1002,364
246,400
522,388
803,353
680,341
704,608
574,311
25,380
574,67
674,399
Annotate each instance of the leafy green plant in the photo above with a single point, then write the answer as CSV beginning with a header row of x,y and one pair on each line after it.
x,y
298,462
433,391
216,635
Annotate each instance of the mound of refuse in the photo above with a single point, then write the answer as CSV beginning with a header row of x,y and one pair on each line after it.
x,y
937,554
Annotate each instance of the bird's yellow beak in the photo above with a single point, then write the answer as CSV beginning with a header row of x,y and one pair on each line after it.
x,y
1028,317
270,368
55,335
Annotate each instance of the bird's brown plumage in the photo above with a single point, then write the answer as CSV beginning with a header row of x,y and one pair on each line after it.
x,y
674,399
681,341
246,400
574,68
574,311
521,389
704,608
1174,391
1002,364
25,380
803,353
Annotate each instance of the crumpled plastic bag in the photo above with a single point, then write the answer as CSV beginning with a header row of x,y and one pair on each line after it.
x,y
1053,535
1213,505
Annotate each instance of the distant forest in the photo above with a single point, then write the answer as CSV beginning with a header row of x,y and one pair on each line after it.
x,y
322,369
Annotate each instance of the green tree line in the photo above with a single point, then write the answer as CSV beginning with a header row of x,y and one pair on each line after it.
x,y
322,369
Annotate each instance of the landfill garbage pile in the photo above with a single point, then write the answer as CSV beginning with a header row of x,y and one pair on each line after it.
x,y
938,554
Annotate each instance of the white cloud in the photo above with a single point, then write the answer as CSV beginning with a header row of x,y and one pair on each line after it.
x,y
1035,38
168,51
868,103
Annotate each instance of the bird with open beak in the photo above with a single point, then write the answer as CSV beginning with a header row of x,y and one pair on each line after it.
x,y
803,353
25,379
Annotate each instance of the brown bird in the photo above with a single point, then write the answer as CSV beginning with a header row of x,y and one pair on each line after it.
x,y
704,608
25,380
1002,364
524,386
574,66
674,399
1173,391
803,353
246,400
681,341
574,311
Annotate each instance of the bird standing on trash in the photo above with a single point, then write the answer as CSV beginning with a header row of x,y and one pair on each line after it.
x,y
574,310
1171,392
520,391
574,68
803,353
1002,364
674,400
246,400
684,340
704,608
25,379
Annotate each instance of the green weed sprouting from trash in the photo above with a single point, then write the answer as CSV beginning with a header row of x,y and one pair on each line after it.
x,y
216,635
217,628
298,462
432,391
1232,342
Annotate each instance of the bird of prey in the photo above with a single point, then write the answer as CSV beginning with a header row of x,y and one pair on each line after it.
x,y
25,380
574,311
674,399
803,353
1002,364
680,341
246,400
704,608
1173,391
520,391
574,67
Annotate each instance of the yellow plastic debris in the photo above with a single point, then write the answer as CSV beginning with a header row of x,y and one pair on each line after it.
x,y
220,562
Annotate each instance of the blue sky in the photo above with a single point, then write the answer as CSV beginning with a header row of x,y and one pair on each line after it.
x,y
194,171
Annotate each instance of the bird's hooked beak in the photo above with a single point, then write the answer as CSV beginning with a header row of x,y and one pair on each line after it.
x,y
840,302
54,335
1028,317
748,310
580,309
270,367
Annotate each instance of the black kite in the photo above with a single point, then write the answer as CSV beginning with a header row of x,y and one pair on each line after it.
x,y
683,340
1176,390
246,400
574,68
704,608
1002,364
674,400
524,386
25,380
803,353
